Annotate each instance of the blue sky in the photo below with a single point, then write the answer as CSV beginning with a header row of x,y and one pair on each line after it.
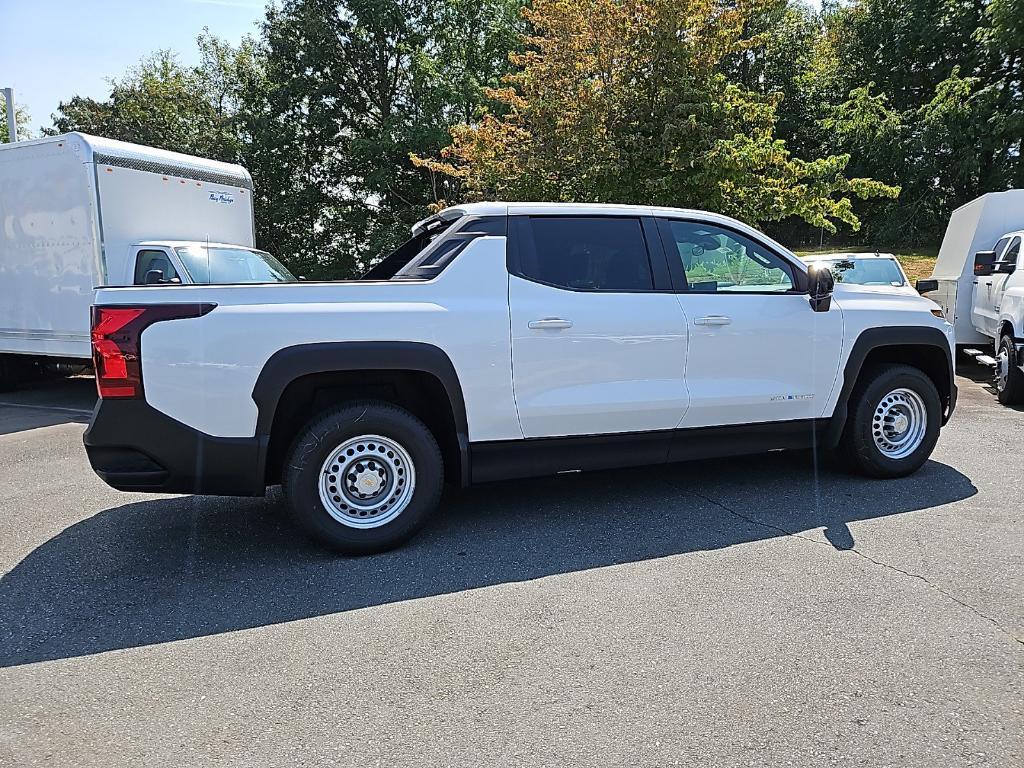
x,y
53,49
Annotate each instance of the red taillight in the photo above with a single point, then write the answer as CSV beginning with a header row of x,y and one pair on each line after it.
x,y
116,354
115,351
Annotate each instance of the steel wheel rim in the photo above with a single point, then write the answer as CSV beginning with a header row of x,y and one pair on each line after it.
x,y
1002,367
899,423
367,481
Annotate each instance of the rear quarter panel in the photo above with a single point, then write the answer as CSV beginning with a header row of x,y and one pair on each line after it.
x,y
202,371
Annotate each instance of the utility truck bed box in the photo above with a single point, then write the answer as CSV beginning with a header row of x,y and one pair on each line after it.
x,y
973,227
72,207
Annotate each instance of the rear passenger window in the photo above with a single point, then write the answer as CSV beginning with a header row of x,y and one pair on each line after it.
x,y
586,253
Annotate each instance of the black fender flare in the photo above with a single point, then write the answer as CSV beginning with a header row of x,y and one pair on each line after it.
x,y
292,363
875,338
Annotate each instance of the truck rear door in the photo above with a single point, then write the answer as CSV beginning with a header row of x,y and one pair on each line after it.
x,y
598,340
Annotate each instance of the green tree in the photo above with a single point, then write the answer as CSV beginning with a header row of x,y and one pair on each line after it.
x,y
779,65
158,103
949,75
353,89
21,120
628,101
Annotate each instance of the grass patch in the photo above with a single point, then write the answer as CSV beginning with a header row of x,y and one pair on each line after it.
x,y
917,262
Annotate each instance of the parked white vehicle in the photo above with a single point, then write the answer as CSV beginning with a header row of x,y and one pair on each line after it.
x,y
977,283
870,270
78,211
510,340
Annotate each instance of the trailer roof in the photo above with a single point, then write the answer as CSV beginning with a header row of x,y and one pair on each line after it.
x,y
96,149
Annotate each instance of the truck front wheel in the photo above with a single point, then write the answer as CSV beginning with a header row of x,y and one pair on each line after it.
x,y
895,414
1009,377
364,477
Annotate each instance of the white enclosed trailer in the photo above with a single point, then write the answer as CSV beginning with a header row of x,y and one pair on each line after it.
x,y
77,212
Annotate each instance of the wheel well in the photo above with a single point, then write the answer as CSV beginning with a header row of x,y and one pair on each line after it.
x,y
929,359
419,392
1005,328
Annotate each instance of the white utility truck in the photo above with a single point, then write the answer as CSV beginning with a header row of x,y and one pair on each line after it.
x,y
78,212
978,285
509,340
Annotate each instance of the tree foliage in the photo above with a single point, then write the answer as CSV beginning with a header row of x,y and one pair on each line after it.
x,y
161,103
938,108
357,117
21,121
353,89
629,101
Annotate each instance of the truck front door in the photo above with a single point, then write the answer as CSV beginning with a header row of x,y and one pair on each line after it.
x,y
757,351
1006,266
983,313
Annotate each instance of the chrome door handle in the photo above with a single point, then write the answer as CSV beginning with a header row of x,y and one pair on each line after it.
x,y
713,320
550,322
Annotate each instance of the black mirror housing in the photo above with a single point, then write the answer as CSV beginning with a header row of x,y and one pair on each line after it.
x,y
983,261
820,284
927,286
154,277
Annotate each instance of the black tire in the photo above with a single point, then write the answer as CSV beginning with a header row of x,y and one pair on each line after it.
x,y
331,430
866,402
1010,391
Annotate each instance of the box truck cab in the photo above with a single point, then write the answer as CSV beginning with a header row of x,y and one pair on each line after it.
x,y
977,283
77,212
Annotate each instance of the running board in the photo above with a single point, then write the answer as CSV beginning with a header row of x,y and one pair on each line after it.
x,y
980,357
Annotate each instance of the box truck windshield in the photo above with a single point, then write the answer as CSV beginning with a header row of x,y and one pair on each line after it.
x,y
221,264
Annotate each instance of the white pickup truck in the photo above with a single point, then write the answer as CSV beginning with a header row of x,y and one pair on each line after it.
x,y
978,285
510,340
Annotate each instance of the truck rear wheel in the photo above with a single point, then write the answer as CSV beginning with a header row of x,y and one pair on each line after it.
x,y
1009,378
894,421
364,478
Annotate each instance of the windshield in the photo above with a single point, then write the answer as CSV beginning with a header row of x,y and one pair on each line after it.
x,y
872,271
219,264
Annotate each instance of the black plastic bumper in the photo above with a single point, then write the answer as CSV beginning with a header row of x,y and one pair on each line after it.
x,y
134,447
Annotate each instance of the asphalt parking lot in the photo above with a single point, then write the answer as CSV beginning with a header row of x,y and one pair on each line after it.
x,y
751,611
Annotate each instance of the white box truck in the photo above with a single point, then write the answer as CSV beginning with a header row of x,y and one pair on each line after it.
x,y
78,212
977,283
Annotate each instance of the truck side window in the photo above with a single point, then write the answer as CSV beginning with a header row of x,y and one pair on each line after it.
x,y
1010,257
150,260
718,260
586,253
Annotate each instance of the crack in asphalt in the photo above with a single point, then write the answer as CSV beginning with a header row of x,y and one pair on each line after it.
x,y
880,563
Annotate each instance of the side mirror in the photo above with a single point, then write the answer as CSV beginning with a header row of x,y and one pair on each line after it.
x,y
983,263
154,277
927,286
821,283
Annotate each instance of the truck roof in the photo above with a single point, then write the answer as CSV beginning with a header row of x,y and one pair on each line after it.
x,y
494,208
96,149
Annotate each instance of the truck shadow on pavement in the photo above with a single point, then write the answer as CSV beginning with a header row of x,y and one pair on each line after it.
x,y
184,567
